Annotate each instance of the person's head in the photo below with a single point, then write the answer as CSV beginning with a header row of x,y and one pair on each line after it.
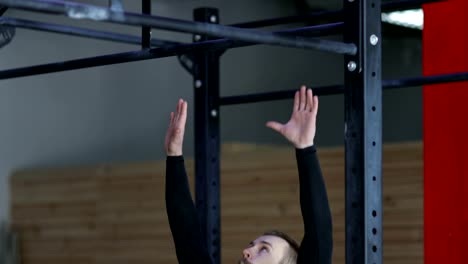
x,y
273,247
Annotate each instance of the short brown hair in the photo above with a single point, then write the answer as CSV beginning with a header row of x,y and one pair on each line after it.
x,y
291,256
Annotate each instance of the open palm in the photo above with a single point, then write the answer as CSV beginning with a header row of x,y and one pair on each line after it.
x,y
300,129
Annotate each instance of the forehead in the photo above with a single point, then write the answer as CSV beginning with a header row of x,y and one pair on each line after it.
x,y
273,240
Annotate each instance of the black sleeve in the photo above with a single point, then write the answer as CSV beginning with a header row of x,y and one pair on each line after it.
x,y
182,215
317,244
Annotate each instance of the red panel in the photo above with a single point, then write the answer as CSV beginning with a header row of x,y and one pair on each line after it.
x,y
445,45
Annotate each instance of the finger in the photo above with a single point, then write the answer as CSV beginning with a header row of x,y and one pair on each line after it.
x,y
310,100
316,105
296,102
171,123
275,126
178,110
302,97
183,115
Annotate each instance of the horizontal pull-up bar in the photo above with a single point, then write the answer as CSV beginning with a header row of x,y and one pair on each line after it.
x,y
334,15
97,13
313,31
80,32
339,89
154,53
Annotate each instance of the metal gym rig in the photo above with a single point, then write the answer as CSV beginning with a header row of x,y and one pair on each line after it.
x,y
360,23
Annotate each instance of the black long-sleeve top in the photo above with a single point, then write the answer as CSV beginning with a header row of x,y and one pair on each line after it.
x,y
316,246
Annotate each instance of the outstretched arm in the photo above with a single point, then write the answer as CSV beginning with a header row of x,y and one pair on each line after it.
x,y
316,246
181,211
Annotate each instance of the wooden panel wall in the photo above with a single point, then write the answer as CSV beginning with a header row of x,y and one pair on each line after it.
x,y
116,213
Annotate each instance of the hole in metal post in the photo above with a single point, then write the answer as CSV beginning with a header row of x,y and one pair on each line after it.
x,y
374,213
374,231
374,248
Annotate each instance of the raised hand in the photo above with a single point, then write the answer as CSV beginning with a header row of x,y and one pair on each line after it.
x,y
175,133
300,129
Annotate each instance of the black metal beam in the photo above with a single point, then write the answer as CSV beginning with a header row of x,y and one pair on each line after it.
x,y
207,141
97,13
363,133
331,15
399,5
427,80
79,32
339,89
162,52
279,95
311,31
146,31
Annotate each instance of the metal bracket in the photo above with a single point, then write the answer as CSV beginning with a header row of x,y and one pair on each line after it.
x,y
3,9
116,5
187,63
7,33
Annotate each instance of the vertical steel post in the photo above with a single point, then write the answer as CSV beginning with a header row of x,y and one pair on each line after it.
x,y
363,132
146,31
207,142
